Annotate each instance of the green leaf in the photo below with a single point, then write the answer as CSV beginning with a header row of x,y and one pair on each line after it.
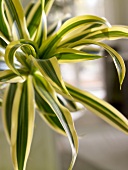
x,y
22,123
1,102
18,17
34,16
28,47
69,104
118,61
81,21
79,35
29,8
100,108
7,108
46,112
50,70
48,6
69,26
67,55
4,39
4,27
112,33
48,94
41,33
8,76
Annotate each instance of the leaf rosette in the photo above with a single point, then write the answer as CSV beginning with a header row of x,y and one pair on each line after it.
x,y
32,53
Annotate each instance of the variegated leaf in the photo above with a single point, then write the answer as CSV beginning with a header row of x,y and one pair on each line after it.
x,y
1,102
19,117
112,33
69,104
69,55
7,108
27,46
118,61
17,15
49,96
68,26
100,108
34,16
41,33
46,112
50,70
8,76
4,26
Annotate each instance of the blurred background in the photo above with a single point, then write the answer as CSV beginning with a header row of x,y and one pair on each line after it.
x,y
101,147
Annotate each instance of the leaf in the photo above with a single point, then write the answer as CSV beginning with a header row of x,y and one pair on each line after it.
x,y
48,94
7,108
77,35
17,15
50,70
4,27
28,47
22,123
67,55
48,6
8,76
100,108
41,33
69,104
118,61
46,112
1,102
80,21
113,33
4,39
29,8
18,116
34,16
68,26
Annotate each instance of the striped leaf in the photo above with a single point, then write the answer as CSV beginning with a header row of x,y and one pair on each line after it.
x,y
67,55
34,16
41,33
80,21
8,76
4,27
48,6
46,112
1,102
113,33
69,104
50,70
19,116
4,39
48,94
18,17
68,26
118,61
28,47
79,35
29,8
7,108
100,108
